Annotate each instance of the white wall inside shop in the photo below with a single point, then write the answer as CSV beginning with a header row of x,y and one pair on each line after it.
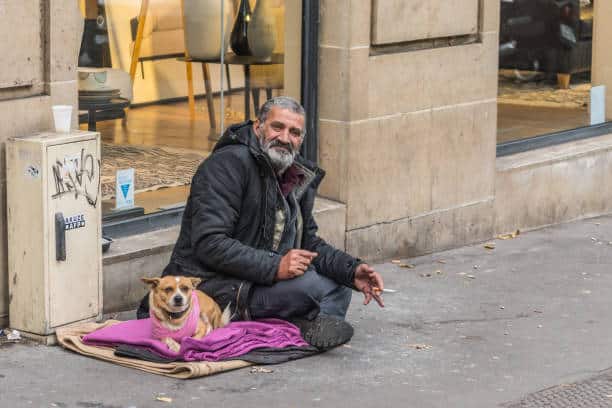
x,y
166,78
163,79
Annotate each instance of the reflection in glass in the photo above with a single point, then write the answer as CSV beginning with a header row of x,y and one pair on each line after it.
x,y
175,103
545,62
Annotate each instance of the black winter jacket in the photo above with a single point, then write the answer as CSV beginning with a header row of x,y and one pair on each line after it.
x,y
226,235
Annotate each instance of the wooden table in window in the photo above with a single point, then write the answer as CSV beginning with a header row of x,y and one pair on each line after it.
x,y
246,62
97,111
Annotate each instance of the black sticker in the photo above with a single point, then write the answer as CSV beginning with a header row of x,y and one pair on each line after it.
x,y
74,222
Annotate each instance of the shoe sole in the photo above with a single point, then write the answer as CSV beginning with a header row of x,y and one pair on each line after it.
x,y
328,333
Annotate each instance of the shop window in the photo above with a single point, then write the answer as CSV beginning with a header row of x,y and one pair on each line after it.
x,y
163,58
545,57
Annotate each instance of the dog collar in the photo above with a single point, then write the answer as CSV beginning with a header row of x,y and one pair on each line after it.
x,y
160,331
176,315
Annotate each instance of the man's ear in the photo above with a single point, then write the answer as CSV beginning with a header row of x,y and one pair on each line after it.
x,y
195,281
256,124
152,282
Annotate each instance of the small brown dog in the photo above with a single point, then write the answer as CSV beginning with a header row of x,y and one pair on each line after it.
x,y
174,304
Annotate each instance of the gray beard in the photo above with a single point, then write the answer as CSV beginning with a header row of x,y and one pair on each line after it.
x,y
280,159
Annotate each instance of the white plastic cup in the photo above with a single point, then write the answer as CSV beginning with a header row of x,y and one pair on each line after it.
x,y
62,115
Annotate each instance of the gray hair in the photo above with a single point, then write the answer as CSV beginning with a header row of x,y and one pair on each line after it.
x,y
283,102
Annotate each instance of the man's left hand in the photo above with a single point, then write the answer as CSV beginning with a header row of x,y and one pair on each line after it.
x,y
368,281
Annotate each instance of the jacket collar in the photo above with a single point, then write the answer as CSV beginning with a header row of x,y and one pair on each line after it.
x,y
242,133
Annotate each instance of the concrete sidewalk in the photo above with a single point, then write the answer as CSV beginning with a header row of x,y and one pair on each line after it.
x,y
471,327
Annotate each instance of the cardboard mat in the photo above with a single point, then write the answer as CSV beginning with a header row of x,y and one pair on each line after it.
x,y
71,338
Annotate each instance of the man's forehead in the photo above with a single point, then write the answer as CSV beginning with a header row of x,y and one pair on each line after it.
x,y
278,112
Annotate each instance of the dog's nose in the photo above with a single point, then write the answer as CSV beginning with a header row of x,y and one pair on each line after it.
x,y
178,300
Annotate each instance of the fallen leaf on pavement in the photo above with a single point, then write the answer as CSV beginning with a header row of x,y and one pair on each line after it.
x,y
419,346
490,245
163,399
405,265
396,261
510,235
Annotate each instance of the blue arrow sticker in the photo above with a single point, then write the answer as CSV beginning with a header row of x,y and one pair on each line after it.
x,y
125,188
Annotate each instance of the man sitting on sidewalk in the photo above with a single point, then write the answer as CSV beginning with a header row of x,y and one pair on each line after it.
x,y
248,231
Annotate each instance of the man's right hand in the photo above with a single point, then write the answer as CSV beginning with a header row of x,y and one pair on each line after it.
x,y
294,263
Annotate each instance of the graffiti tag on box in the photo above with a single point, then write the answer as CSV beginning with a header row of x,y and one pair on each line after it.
x,y
74,222
78,176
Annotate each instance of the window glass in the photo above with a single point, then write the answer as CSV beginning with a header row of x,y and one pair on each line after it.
x,y
545,54
168,71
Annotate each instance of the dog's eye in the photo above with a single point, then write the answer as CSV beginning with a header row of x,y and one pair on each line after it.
x,y
184,288
168,290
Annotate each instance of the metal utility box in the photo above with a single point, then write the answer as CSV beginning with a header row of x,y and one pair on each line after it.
x,y
54,230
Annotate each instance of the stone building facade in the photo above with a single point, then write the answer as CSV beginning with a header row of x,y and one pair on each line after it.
x,y
407,123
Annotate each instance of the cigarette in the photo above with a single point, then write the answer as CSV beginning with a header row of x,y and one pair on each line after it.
x,y
377,290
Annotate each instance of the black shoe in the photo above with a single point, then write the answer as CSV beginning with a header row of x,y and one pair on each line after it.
x,y
324,332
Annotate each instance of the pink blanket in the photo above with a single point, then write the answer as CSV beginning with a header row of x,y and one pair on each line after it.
x,y
231,341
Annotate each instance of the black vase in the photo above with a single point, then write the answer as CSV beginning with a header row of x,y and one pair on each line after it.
x,y
239,39
95,49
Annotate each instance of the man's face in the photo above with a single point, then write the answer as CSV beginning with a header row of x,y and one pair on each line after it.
x,y
281,136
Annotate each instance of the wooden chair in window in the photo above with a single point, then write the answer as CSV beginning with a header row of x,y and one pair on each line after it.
x,y
158,34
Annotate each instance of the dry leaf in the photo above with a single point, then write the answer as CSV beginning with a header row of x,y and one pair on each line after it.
x,y
405,265
490,245
163,399
396,261
510,235
419,346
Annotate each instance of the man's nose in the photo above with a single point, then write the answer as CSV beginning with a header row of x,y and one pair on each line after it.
x,y
283,135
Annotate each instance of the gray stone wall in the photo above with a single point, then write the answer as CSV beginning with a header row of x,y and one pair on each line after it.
x,y
41,40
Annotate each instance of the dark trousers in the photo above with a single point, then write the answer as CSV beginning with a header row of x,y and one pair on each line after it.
x,y
306,296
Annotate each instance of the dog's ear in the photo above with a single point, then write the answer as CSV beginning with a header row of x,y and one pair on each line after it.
x,y
152,282
195,281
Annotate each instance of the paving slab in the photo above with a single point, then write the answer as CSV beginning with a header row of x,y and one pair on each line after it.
x,y
469,327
